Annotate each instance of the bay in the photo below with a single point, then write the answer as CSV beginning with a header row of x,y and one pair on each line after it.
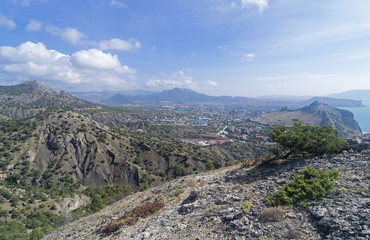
x,y
362,115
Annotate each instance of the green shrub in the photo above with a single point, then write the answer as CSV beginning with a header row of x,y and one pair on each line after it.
x,y
178,191
304,138
36,234
103,196
308,184
12,230
210,166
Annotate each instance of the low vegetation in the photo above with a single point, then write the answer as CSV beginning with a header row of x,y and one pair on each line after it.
x,y
103,196
272,214
131,217
307,185
304,138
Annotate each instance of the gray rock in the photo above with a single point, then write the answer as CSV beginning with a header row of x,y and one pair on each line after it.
x,y
186,208
192,197
318,212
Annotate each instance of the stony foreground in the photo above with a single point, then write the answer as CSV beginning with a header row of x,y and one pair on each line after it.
x,y
213,206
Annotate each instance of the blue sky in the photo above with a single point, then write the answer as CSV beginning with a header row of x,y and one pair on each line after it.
x,y
218,47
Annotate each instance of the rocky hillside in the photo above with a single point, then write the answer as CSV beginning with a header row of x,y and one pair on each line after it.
x,y
230,204
316,113
68,147
29,98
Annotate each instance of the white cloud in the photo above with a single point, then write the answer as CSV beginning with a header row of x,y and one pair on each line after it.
x,y
211,83
6,22
116,3
250,56
27,3
221,47
35,60
94,58
261,4
34,25
118,44
75,37
91,68
71,35
177,79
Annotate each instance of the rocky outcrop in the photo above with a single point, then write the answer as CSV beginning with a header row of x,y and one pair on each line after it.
x,y
340,119
335,102
229,204
316,113
360,143
64,206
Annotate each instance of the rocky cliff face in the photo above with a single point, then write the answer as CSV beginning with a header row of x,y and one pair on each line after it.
x,y
73,145
342,120
213,205
316,113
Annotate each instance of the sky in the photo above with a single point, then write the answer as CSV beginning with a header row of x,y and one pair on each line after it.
x,y
218,47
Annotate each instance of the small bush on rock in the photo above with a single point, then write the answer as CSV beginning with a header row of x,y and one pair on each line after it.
x,y
131,217
273,214
308,184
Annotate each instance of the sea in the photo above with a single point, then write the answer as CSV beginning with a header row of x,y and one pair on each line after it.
x,y
362,115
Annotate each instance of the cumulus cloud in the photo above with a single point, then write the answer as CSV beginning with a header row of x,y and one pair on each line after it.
x,y
34,25
91,68
6,22
71,35
261,4
211,83
177,79
35,60
116,3
96,59
119,44
75,37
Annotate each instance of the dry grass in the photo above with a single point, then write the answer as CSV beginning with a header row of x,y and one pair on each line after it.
x,y
273,214
247,163
291,234
131,217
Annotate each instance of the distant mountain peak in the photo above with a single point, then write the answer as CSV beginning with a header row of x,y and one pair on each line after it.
x,y
317,113
30,97
33,82
39,86
180,90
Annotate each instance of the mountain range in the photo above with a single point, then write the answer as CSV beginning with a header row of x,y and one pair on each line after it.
x,y
187,96
363,94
